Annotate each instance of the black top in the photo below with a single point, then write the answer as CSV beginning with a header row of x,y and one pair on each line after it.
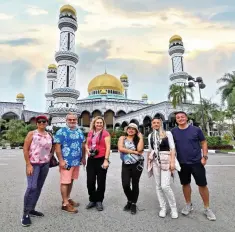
x,y
164,145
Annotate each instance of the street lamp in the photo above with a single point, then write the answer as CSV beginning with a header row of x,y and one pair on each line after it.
x,y
201,85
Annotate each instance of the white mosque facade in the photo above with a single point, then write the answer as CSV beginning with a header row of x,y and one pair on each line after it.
x,y
107,94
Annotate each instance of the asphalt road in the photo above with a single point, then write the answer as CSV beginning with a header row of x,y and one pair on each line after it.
x,y
221,179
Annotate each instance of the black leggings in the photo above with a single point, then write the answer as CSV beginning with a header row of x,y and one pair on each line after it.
x,y
130,174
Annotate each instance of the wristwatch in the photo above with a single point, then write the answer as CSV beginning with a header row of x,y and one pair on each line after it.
x,y
205,157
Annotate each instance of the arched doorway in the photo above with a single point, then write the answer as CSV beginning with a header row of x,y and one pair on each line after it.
x,y
108,118
10,116
85,119
159,115
32,120
120,113
117,126
96,113
134,121
124,124
171,120
147,125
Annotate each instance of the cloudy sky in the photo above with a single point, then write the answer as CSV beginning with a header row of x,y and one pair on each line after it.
x,y
128,36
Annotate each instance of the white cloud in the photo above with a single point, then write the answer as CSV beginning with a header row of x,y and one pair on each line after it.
x,y
5,16
35,11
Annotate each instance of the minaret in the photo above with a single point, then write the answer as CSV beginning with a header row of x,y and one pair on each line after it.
x,y
145,98
51,82
176,51
125,82
20,98
65,94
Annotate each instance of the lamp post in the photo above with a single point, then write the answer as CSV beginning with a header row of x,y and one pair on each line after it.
x,y
201,85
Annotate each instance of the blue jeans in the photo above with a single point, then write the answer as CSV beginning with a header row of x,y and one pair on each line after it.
x,y
35,184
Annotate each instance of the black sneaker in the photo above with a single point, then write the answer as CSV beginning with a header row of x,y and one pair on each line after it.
x,y
26,221
133,208
34,213
91,205
127,207
99,206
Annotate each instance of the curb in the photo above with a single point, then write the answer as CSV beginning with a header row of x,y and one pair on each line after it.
x,y
9,148
221,152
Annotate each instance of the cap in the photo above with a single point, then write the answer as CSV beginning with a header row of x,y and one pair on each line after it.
x,y
41,117
132,125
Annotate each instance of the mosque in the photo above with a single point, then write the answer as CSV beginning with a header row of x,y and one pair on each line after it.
x,y
107,95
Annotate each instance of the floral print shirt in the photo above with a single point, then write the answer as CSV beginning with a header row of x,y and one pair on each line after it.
x,y
40,148
71,144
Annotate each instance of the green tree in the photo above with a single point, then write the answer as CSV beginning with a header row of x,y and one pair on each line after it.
x,y
210,111
227,90
2,127
179,94
230,114
31,127
2,122
16,132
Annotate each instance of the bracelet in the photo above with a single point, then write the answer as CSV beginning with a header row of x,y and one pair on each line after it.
x,y
107,160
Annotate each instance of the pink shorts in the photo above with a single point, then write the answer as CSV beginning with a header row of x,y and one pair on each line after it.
x,y
66,176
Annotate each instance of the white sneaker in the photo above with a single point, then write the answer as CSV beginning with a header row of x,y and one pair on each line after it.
x,y
162,213
174,213
209,214
187,209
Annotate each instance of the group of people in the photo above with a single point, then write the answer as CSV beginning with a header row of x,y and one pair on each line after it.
x,y
178,150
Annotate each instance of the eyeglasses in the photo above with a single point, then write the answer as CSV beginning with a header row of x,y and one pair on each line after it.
x,y
72,120
41,121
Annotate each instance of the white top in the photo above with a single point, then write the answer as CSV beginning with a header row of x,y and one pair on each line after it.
x,y
171,145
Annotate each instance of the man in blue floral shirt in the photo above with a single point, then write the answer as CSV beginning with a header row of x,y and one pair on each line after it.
x,y
70,150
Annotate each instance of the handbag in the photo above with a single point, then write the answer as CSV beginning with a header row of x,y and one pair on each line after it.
x,y
164,160
53,162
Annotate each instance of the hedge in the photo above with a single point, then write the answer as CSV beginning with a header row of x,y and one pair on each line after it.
x,y
218,143
221,147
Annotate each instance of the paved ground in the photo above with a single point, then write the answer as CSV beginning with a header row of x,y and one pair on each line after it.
x,y
220,172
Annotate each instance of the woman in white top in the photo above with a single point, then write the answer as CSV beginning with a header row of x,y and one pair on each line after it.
x,y
161,164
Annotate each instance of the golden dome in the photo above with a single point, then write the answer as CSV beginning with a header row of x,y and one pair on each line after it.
x,y
52,66
20,95
68,8
105,81
103,91
175,38
123,77
144,96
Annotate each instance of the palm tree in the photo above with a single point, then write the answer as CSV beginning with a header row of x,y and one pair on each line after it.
x,y
179,94
211,111
228,89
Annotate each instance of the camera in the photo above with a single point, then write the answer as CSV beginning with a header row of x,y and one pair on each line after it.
x,y
93,152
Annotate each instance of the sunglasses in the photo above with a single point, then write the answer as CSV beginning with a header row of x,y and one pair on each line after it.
x,y
41,121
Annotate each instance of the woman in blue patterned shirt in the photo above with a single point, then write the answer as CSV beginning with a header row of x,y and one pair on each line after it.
x,y
131,149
